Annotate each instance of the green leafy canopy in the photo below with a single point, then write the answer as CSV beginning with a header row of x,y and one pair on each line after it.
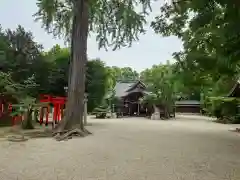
x,y
115,23
209,30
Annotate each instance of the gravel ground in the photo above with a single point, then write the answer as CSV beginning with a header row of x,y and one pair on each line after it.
x,y
129,149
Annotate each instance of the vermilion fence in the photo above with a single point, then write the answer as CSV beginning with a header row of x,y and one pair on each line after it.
x,y
7,111
55,102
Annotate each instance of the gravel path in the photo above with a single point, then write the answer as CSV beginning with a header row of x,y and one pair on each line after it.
x,y
129,149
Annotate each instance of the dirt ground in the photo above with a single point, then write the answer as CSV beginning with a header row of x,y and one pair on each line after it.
x,y
187,148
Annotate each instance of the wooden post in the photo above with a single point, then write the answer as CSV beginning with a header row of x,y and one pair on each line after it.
x,y
53,121
47,114
41,116
138,109
85,109
128,105
110,104
113,108
1,108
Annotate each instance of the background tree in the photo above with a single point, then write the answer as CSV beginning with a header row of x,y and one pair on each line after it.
x,y
125,74
210,36
47,73
20,52
96,83
116,24
160,82
97,76
12,92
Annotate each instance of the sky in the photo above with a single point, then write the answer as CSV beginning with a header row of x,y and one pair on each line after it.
x,y
149,50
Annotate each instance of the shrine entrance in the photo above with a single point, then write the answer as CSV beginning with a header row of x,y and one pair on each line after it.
x,y
129,95
135,108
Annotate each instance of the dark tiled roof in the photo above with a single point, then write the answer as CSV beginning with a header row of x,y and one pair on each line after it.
x,y
121,88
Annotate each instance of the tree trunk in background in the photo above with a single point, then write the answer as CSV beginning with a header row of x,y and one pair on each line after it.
x,y
166,112
27,123
76,87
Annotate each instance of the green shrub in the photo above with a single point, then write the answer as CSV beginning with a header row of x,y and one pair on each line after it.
x,y
225,109
27,108
101,112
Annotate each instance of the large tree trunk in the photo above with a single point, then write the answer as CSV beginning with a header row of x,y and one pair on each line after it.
x,y
71,51
73,120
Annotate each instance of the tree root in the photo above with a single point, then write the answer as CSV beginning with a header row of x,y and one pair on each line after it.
x,y
86,131
17,138
69,134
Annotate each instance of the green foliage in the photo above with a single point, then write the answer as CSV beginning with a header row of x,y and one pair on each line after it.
x,y
19,53
27,108
15,91
151,99
8,87
125,74
101,111
115,23
224,108
209,32
210,36
97,76
97,83
160,82
209,61
31,72
208,64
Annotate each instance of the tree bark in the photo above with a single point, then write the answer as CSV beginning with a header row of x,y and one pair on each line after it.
x,y
76,87
85,110
71,51
28,121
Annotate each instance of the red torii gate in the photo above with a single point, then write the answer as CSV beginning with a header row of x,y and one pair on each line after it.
x,y
58,105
